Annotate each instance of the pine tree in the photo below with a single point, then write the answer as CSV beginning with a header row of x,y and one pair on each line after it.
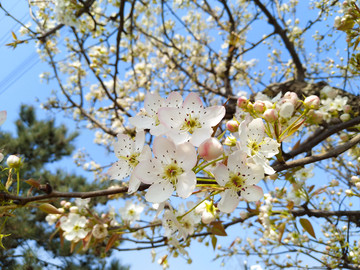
x,y
40,143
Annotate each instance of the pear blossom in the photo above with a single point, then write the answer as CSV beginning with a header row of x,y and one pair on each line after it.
x,y
130,153
100,231
74,227
253,140
131,211
239,178
13,161
149,118
192,122
170,169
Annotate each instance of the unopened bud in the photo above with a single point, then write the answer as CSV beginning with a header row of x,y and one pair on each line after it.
x,y
345,117
207,217
242,102
74,209
291,97
210,149
354,179
259,106
232,126
270,115
344,136
312,102
13,161
347,108
316,116
286,110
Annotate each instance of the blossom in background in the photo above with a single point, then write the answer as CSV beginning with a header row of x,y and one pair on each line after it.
x,y
100,231
254,141
130,153
192,122
239,178
74,227
82,204
170,169
149,117
131,212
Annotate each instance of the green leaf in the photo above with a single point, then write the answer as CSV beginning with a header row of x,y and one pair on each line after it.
x,y
305,223
213,241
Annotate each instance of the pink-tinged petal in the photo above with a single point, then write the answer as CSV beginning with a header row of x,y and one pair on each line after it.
x,y
229,201
174,100
252,193
193,104
164,150
149,171
255,174
152,103
139,141
158,193
269,147
200,135
142,121
134,184
120,170
145,153
186,184
186,156
213,115
3,115
256,130
123,146
172,118
243,134
237,161
221,174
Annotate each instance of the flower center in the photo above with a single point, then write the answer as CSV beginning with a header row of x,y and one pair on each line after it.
x,y
171,173
133,159
254,146
236,182
190,124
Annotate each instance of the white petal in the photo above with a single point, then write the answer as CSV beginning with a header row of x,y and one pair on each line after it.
x,y
252,193
123,146
158,193
139,141
149,171
152,102
120,170
221,174
134,184
145,153
164,149
200,135
237,161
2,117
158,130
269,147
256,130
178,137
174,100
186,156
265,164
172,118
229,201
213,115
142,121
256,173
186,184
193,104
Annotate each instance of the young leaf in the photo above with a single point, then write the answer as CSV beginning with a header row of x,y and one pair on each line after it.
x,y
49,209
217,228
213,241
305,223
111,241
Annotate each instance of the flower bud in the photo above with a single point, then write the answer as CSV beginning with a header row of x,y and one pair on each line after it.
x,y
347,108
230,140
242,102
210,149
291,97
270,115
13,161
312,102
344,136
232,126
286,110
345,117
207,217
354,179
357,185
259,106
316,116
74,209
